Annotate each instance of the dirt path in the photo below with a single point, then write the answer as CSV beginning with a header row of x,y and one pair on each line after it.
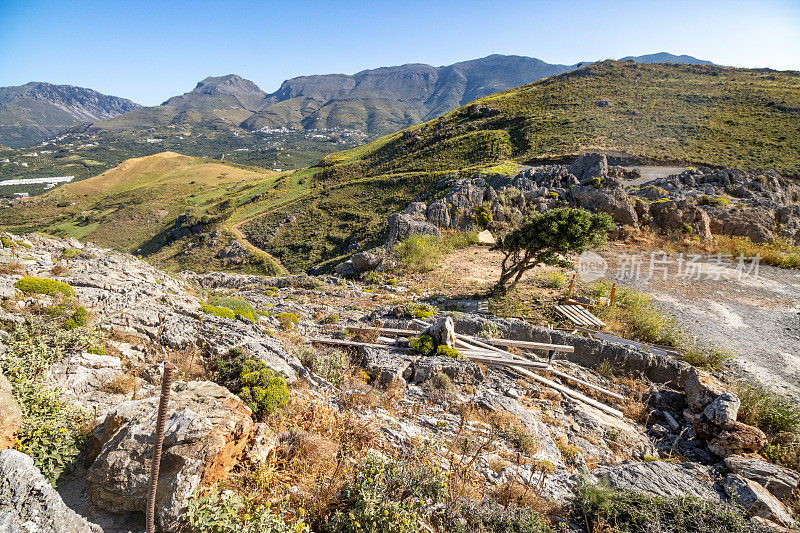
x,y
242,239
755,316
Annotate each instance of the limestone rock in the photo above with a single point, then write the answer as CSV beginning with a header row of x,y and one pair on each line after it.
x,y
28,503
460,371
723,410
778,480
672,216
611,200
443,332
438,213
756,500
364,261
262,446
701,389
10,414
387,365
589,166
403,226
207,428
662,479
737,438
417,210
486,237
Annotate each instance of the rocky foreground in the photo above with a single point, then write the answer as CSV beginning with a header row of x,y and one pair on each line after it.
x,y
486,425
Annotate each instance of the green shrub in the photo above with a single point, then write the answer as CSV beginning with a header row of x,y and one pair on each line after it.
x,y
54,432
263,390
419,310
424,344
768,411
79,319
389,496
238,305
50,287
719,201
253,381
446,351
423,253
223,312
228,512
489,517
331,319
287,320
598,508
637,316
597,182
329,363
483,217
6,241
711,358
70,253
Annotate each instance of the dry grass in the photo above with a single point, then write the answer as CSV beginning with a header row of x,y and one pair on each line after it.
x,y
189,362
122,383
59,270
13,268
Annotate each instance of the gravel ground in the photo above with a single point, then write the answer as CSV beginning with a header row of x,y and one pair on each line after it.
x,y
755,316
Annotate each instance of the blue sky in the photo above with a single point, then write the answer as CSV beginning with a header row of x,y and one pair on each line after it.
x,y
148,51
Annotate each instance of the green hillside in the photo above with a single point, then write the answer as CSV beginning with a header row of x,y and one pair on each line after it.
x,y
661,113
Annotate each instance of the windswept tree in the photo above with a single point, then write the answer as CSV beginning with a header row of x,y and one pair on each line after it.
x,y
546,239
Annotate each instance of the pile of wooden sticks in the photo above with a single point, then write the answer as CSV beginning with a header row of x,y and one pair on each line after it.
x,y
489,352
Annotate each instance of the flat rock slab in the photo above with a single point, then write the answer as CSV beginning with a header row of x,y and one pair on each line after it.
x,y
778,480
671,480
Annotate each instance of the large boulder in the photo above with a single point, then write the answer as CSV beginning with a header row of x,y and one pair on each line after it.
x,y
756,500
612,200
669,480
780,481
10,414
701,389
736,439
28,503
386,365
403,226
438,213
589,166
460,371
682,216
207,427
723,410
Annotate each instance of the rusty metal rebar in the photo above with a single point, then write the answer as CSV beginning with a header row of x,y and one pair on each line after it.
x,y
166,385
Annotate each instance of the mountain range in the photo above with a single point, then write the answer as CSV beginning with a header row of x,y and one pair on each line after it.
x,y
376,101
35,111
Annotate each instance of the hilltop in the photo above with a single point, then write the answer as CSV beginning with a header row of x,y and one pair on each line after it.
x,y
36,111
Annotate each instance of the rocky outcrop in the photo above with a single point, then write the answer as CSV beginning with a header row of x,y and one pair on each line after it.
x,y
681,217
670,480
611,199
207,427
756,500
459,371
387,365
737,438
403,226
28,503
780,481
701,389
10,414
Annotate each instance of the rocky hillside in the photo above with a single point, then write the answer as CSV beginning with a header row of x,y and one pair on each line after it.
x,y
310,437
36,111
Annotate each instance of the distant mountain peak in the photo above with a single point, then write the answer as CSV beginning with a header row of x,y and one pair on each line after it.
x,y
666,57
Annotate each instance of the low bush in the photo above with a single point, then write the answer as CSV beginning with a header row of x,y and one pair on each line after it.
x,y
777,416
489,517
781,253
215,310
6,241
287,320
262,389
447,351
419,310
719,201
424,344
228,512
597,507
635,315
552,279
54,432
49,287
483,217
239,306
328,363
389,495
79,319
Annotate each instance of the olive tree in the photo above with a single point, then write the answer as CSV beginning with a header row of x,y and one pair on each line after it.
x,y
546,239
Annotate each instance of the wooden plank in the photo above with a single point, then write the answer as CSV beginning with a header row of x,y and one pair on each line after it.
x,y
571,315
322,340
591,317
